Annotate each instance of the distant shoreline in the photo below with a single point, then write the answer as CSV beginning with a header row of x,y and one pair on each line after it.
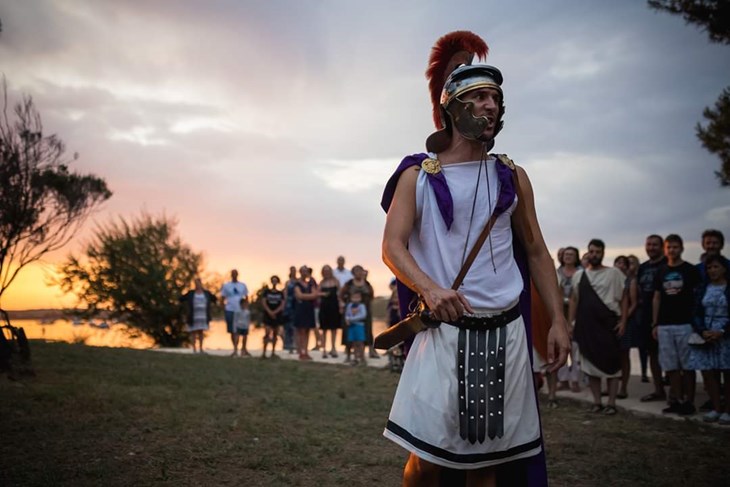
x,y
36,314
378,307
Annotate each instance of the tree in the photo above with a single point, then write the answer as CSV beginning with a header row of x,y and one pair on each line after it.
x,y
715,136
712,16
43,203
135,272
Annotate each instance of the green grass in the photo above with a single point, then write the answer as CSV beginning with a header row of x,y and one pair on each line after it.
x,y
96,416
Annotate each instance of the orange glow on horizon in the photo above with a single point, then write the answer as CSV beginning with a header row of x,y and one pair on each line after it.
x,y
32,288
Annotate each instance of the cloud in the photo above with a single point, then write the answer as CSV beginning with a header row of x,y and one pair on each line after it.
x,y
355,176
269,128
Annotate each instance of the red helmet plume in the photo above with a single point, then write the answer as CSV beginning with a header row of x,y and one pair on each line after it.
x,y
451,50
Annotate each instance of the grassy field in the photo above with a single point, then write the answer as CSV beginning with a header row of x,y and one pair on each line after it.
x,y
110,417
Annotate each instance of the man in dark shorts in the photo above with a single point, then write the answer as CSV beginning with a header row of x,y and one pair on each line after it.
x,y
647,272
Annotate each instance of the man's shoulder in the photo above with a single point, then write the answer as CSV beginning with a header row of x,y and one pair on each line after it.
x,y
504,159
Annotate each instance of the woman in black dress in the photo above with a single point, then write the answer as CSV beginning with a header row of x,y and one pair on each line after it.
x,y
305,292
329,309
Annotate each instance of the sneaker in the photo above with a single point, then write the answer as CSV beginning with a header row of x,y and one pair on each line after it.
x,y
711,417
724,419
610,410
707,405
687,409
674,407
644,379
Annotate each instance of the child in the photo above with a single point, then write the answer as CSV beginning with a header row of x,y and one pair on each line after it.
x,y
355,314
241,322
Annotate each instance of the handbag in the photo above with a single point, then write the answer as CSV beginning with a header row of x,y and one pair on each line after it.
x,y
420,318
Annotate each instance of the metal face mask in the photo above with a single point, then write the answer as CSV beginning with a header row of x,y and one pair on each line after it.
x,y
462,80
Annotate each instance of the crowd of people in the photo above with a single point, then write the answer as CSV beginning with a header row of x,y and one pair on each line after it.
x,y
294,310
674,312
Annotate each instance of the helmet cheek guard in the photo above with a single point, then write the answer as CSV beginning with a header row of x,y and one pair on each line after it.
x,y
459,114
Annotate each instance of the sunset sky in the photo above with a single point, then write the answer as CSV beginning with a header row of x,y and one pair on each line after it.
x,y
268,128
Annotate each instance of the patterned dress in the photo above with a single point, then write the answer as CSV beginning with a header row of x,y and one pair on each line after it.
x,y
713,356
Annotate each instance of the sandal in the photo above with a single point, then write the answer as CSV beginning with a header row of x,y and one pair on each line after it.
x,y
596,408
653,397
610,410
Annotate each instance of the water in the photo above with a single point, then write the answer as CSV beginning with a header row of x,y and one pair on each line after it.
x,y
216,338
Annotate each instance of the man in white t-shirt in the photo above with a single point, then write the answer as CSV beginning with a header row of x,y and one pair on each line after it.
x,y
233,292
340,272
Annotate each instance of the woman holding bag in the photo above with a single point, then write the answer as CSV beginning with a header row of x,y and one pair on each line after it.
x,y
712,323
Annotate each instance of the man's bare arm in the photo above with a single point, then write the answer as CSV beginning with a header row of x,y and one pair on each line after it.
x,y
572,307
445,304
542,272
655,302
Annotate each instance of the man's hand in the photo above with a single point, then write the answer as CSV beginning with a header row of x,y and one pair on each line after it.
x,y
447,304
712,335
620,328
654,332
559,340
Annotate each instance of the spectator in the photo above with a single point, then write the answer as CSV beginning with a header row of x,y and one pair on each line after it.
x,y
621,263
289,307
713,242
341,273
672,313
199,302
330,318
569,266
233,292
359,284
306,293
396,354
273,304
596,311
241,322
355,315
712,323
393,308
584,261
628,339
645,279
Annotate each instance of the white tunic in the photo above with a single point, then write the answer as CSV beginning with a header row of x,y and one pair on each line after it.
x,y
424,418
439,252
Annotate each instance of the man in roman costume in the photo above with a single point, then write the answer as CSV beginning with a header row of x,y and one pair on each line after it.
x,y
466,398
